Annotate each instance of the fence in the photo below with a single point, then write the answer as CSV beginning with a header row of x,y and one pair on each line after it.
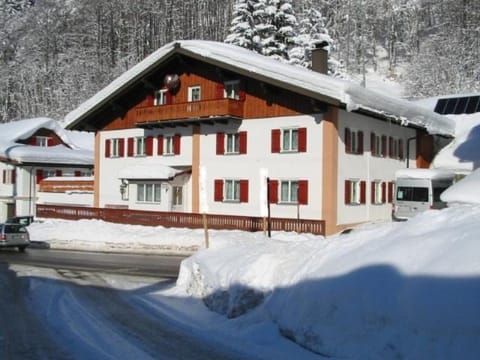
x,y
176,219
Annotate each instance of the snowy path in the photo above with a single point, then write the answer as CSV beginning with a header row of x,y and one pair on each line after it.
x,y
48,314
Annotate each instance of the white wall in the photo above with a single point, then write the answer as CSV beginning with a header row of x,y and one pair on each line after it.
x,y
68,199
279,166
367,167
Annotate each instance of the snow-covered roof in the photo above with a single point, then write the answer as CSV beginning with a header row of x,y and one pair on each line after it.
x,y
299,79
78,148
144,172
424,174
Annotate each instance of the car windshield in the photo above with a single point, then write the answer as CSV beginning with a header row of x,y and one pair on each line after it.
x,y
410,193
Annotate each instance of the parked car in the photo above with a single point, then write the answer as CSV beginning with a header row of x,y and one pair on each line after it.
x,y
14,235
23,220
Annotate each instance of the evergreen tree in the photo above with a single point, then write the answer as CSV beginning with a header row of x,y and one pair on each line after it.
x,y
242,29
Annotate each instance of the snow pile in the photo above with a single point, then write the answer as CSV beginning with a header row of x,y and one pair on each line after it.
x,y
400,290
466,191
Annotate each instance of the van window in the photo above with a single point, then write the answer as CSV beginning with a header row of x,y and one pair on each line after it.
x,y
410,193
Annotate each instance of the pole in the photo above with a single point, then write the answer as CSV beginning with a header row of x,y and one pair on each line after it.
x,y
205,228
269,226
408,150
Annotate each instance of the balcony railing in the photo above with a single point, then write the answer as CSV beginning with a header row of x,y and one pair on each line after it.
x,y
190,110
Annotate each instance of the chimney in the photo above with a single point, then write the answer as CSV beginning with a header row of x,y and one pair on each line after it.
x,y
320,57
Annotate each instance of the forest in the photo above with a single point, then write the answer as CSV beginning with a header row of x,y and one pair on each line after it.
x,y
55,54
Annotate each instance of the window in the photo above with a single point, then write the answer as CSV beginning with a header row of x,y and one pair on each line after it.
x,y
353,141
378,192
410,193
289,191
231,190
290,140
232,90
9,176
177,196
232,144
168,146
354,192
42,141
149,193
160,97
140,146
194,93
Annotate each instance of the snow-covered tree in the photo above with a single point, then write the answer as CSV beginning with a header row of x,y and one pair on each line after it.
x,y
242,30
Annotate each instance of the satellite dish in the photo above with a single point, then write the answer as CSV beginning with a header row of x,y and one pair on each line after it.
x,y
171,81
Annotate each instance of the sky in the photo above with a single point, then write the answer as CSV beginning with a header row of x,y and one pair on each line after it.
x,y
384,291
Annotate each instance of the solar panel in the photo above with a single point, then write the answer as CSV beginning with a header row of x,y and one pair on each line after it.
x,y
460,105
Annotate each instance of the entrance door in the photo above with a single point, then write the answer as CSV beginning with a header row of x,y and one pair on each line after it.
x,y
177,198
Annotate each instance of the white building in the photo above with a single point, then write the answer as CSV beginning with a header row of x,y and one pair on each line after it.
x,y
35,149
199,127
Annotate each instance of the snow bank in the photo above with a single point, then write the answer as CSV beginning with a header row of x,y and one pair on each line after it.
x,y
466,191
401,290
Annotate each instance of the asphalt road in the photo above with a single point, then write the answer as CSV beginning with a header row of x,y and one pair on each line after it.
x,y
164,266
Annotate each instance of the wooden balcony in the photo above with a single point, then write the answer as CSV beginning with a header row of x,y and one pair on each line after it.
x,y
189,112
63,186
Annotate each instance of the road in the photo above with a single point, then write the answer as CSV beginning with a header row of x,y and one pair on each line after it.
x,y
165,266
52,308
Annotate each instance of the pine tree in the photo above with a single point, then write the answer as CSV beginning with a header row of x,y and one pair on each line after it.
x,y
242,29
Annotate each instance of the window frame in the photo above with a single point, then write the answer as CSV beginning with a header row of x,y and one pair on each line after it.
x,y
291,148
292,195
231,89
177,195
168,147
233,146
155,189
140,144
191,93
160,97
234,194
42,141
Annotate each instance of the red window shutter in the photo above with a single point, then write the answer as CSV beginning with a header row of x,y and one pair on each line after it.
x,y
303,192
107,148
384,146
4,176
149,100
78,173
360,142
390,191
275,141
176,144
400,149
168,98
348,141
273,191
363,192
149,146
130,146
373,148
39,174
348,195
58,173
220,143
50,142
242,136
121,147
160,145
218,190
384,192
33,141
390,147
244,191
302,139
220,94
372,192
14,176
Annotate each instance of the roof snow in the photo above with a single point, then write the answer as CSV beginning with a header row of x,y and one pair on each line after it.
x,y
249,63
78,148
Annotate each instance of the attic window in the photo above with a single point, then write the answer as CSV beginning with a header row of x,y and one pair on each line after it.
x,y
232,90
43,141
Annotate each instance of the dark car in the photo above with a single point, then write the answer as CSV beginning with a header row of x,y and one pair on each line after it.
x,y
22,220
14,235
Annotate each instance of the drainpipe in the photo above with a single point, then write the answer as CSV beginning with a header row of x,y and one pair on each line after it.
x,y
408,150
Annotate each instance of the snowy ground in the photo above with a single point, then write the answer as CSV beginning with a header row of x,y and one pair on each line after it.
x,y
384,291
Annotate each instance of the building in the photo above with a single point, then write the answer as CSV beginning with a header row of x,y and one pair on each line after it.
x,y
33,150
206,127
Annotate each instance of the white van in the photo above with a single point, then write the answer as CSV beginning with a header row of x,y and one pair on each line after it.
x,y
417,190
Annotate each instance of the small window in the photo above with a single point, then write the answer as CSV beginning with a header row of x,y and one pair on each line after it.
x,y
232,144
42,141
410,193
289,140
168,146
194,93
177,195
232,190
140,146
160,97
289,191
232,90
115,147
355,192
149,193
377,192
